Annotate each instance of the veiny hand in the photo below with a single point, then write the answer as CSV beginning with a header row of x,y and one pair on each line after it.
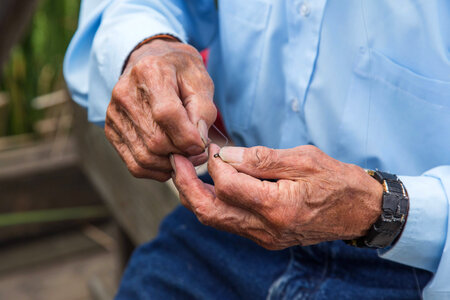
x,y
315,198
161,104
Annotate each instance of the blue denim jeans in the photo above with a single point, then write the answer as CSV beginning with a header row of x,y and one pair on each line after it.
x,y
188,260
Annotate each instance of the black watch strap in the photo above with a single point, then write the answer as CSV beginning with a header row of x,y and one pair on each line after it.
x,y
395,208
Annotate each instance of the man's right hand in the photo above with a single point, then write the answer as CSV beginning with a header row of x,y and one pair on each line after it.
x,y
162,104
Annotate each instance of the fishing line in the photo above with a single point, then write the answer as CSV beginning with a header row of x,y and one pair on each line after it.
x,y
222,134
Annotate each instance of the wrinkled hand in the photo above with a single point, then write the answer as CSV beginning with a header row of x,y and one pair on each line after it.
x,y
161,104
315,198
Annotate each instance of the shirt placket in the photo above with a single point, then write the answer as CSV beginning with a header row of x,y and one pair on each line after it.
x,y
304,26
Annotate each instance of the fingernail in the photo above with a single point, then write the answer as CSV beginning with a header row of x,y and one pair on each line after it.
x,y
194,150
172,162
232,154
203,130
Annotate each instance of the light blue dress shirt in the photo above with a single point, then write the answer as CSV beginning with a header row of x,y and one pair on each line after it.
x,y
366,81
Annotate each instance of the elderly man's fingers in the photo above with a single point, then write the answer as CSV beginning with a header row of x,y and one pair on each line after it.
x,y
266,163
210,210
141,154
158,87
187,181
238,188
134,119
135,169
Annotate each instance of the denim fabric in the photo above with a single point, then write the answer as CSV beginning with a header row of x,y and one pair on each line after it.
x,y
191,261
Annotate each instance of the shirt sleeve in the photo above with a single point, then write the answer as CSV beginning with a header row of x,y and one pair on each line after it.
x,y
424,242
110,29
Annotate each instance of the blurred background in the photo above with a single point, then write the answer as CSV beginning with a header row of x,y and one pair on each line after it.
x,y
70,213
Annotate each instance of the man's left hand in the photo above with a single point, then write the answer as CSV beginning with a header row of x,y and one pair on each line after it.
x,y
310,197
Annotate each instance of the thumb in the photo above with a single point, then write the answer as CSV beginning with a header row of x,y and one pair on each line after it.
x,y
261,162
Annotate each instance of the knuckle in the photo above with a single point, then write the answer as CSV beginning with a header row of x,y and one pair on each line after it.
x,y
111,136
148,63
202,214
150,67
269,243
157,145
109,114
143,158
207,82
135,170
163,112
184,202
108,132
204,220
311,152
211,110
263,157
308,162
150,144
161,178
119,90
158,141
304,218
270,247
278,220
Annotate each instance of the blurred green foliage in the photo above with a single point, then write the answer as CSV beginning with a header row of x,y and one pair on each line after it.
x,y
35,64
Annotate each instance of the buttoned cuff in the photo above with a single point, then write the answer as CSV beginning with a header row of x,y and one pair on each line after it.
x,y
422,240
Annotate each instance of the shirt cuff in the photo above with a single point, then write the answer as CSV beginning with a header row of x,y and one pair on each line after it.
x,y
422,240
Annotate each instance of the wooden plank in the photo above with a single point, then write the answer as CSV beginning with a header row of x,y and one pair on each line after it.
x,y
16,141
65,279
44,250
37,157
139,205
34,183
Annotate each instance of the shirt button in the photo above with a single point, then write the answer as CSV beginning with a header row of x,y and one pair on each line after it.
x,y
305,9
294,105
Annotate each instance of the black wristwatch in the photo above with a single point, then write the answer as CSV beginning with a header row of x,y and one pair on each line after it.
x,y
395,207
